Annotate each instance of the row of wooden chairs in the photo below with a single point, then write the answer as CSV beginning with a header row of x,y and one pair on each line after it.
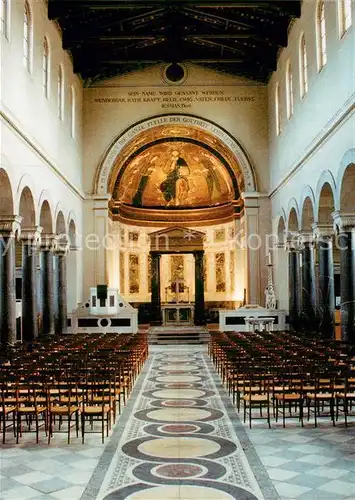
x,y
77,385
286,375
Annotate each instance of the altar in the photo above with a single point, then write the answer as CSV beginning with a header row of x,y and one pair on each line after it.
x,y
178,314
241,319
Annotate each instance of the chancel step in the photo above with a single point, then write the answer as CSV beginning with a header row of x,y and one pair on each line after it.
x,y
178,335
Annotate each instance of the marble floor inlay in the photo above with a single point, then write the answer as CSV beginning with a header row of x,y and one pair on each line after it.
x,y
179,437
179,442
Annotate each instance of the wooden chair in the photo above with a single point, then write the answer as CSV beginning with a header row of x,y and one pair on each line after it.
x,y
28,407
96,405
7,410
63,403
256,395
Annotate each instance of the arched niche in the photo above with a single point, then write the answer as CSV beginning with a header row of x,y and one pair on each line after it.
x,y
6,197
307,215
326,204
45,218
27,208
347,190
136,136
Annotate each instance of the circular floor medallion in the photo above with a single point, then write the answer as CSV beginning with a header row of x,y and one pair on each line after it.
x,y
179,428
178,415
178,368
179,385
177,379
178,402
180,492
179,447
178,394
178,471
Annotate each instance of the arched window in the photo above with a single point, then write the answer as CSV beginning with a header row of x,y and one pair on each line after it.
x,y
321,35
60,92
277,109
46,66
345,19
72,112
303,66
27,37
4,17
289,90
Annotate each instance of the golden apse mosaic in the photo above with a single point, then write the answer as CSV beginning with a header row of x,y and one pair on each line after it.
x,y
174,175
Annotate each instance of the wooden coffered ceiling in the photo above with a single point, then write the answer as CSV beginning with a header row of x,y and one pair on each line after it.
x,y
112,37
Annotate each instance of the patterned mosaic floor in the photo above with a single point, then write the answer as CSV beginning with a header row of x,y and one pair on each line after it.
x,y
180,438
180,442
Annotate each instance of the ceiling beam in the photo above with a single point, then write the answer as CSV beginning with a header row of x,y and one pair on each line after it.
x,y
76,40
58,8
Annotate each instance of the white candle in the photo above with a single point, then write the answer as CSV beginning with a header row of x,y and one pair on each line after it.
x,y
270,258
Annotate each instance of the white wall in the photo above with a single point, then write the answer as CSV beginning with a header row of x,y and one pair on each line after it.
x,y
109,110
321,129
22,95
37,149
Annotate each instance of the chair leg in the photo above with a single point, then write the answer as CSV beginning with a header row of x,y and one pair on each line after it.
x,y
268,415
82,427
37,428
69,425
103,427
77,423
50,430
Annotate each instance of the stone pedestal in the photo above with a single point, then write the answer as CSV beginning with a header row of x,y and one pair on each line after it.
x,y
9,230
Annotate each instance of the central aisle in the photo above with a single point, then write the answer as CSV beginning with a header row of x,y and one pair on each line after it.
x,y
179,438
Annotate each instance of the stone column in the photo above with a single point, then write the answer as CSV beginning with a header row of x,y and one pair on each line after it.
x,y
62,318
48,242
9,229
345,224
294,286
156,318
30,238
199,289
308,293
326,300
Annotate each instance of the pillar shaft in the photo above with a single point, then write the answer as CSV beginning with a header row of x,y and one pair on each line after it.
x,y
326,302
8,291
199,289
47,292
29,292
347,278
294,289
155,289
308,287
62,320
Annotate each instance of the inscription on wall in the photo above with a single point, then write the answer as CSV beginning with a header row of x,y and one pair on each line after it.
x,y
181,99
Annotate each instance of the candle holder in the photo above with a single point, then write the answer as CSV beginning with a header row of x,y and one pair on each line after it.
x,y
270,297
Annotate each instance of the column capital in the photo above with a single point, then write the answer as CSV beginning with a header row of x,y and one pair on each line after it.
x,y
293,242
48,241
344,221
31,235
10,225
61,245
323,230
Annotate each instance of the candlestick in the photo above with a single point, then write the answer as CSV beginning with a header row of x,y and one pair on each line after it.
x,y
270,258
